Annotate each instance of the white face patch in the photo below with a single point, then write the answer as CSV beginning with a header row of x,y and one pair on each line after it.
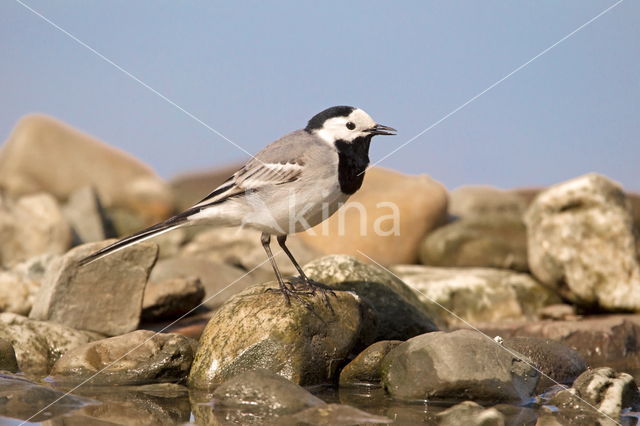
x,y
336,128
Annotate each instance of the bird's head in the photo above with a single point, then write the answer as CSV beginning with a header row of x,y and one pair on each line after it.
x,y
345,123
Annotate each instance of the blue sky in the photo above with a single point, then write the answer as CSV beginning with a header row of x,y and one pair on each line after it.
x,y
255,70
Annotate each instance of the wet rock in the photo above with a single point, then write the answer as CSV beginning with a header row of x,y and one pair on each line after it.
x,y
602,340
337,414
459,364
491,241
581,243
114,285
386,219
558,361
87,217
8,360
38,344
26,400
172,298
257,329
476,294
602,388
31,226
241,248
20,284
122,182
366,367
264,394
220,280
470,413
189,188
474,201
135,358
400,313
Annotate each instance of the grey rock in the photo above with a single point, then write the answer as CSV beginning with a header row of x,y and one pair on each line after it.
x,y
459,364
336,414
556,360
476,294
264,394
135,358
477,200
366,367
257,329
88,219
39,344
220,280
8,360
171,298
608,390
581,243
104,296
22,399
485,241
20,284
470,413
400,313
30,226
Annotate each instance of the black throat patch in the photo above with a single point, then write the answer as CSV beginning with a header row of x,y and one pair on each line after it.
x,y
353,159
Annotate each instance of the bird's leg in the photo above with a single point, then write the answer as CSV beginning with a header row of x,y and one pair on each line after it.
x,y
265,239
312,285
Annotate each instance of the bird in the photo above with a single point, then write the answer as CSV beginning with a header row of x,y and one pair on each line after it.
x,y
292,184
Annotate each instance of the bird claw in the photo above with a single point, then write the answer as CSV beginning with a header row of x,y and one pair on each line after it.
x,y
297,287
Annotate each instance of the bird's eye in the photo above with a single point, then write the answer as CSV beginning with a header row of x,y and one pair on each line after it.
x,y
351,126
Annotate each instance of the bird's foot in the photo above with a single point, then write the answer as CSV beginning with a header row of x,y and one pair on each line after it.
x,y
312,287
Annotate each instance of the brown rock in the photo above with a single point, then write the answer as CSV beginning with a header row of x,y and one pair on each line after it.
x,y
366,367
189,188
104,296
171,298
8,360
365,223
39,141
473,201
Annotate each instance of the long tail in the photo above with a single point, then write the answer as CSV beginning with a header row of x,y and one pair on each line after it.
x,y
153,231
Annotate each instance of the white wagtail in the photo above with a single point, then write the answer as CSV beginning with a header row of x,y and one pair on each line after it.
x,y
294,183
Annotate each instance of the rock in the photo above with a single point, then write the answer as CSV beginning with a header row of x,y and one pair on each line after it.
x,y
263,393
31,226
172,298
241,247
123,182
220,280
114,285
38,344
558,312
603,389
400,313
25,400
20,284
475,201
335,415
602,340
8,360
386,219
87,217
581,243
476,294
366,367
135,358
558,362
189,188
487,241
471,414
459,364
257,329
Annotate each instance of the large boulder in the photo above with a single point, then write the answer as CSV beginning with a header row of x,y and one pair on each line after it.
x,y
492,242
400,313
104,296
476,294
39,344
462,364
38,142
386,219
473,201
31,226
582,243
258,329
135,358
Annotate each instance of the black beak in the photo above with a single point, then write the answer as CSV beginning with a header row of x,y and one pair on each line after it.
x,y
379,129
